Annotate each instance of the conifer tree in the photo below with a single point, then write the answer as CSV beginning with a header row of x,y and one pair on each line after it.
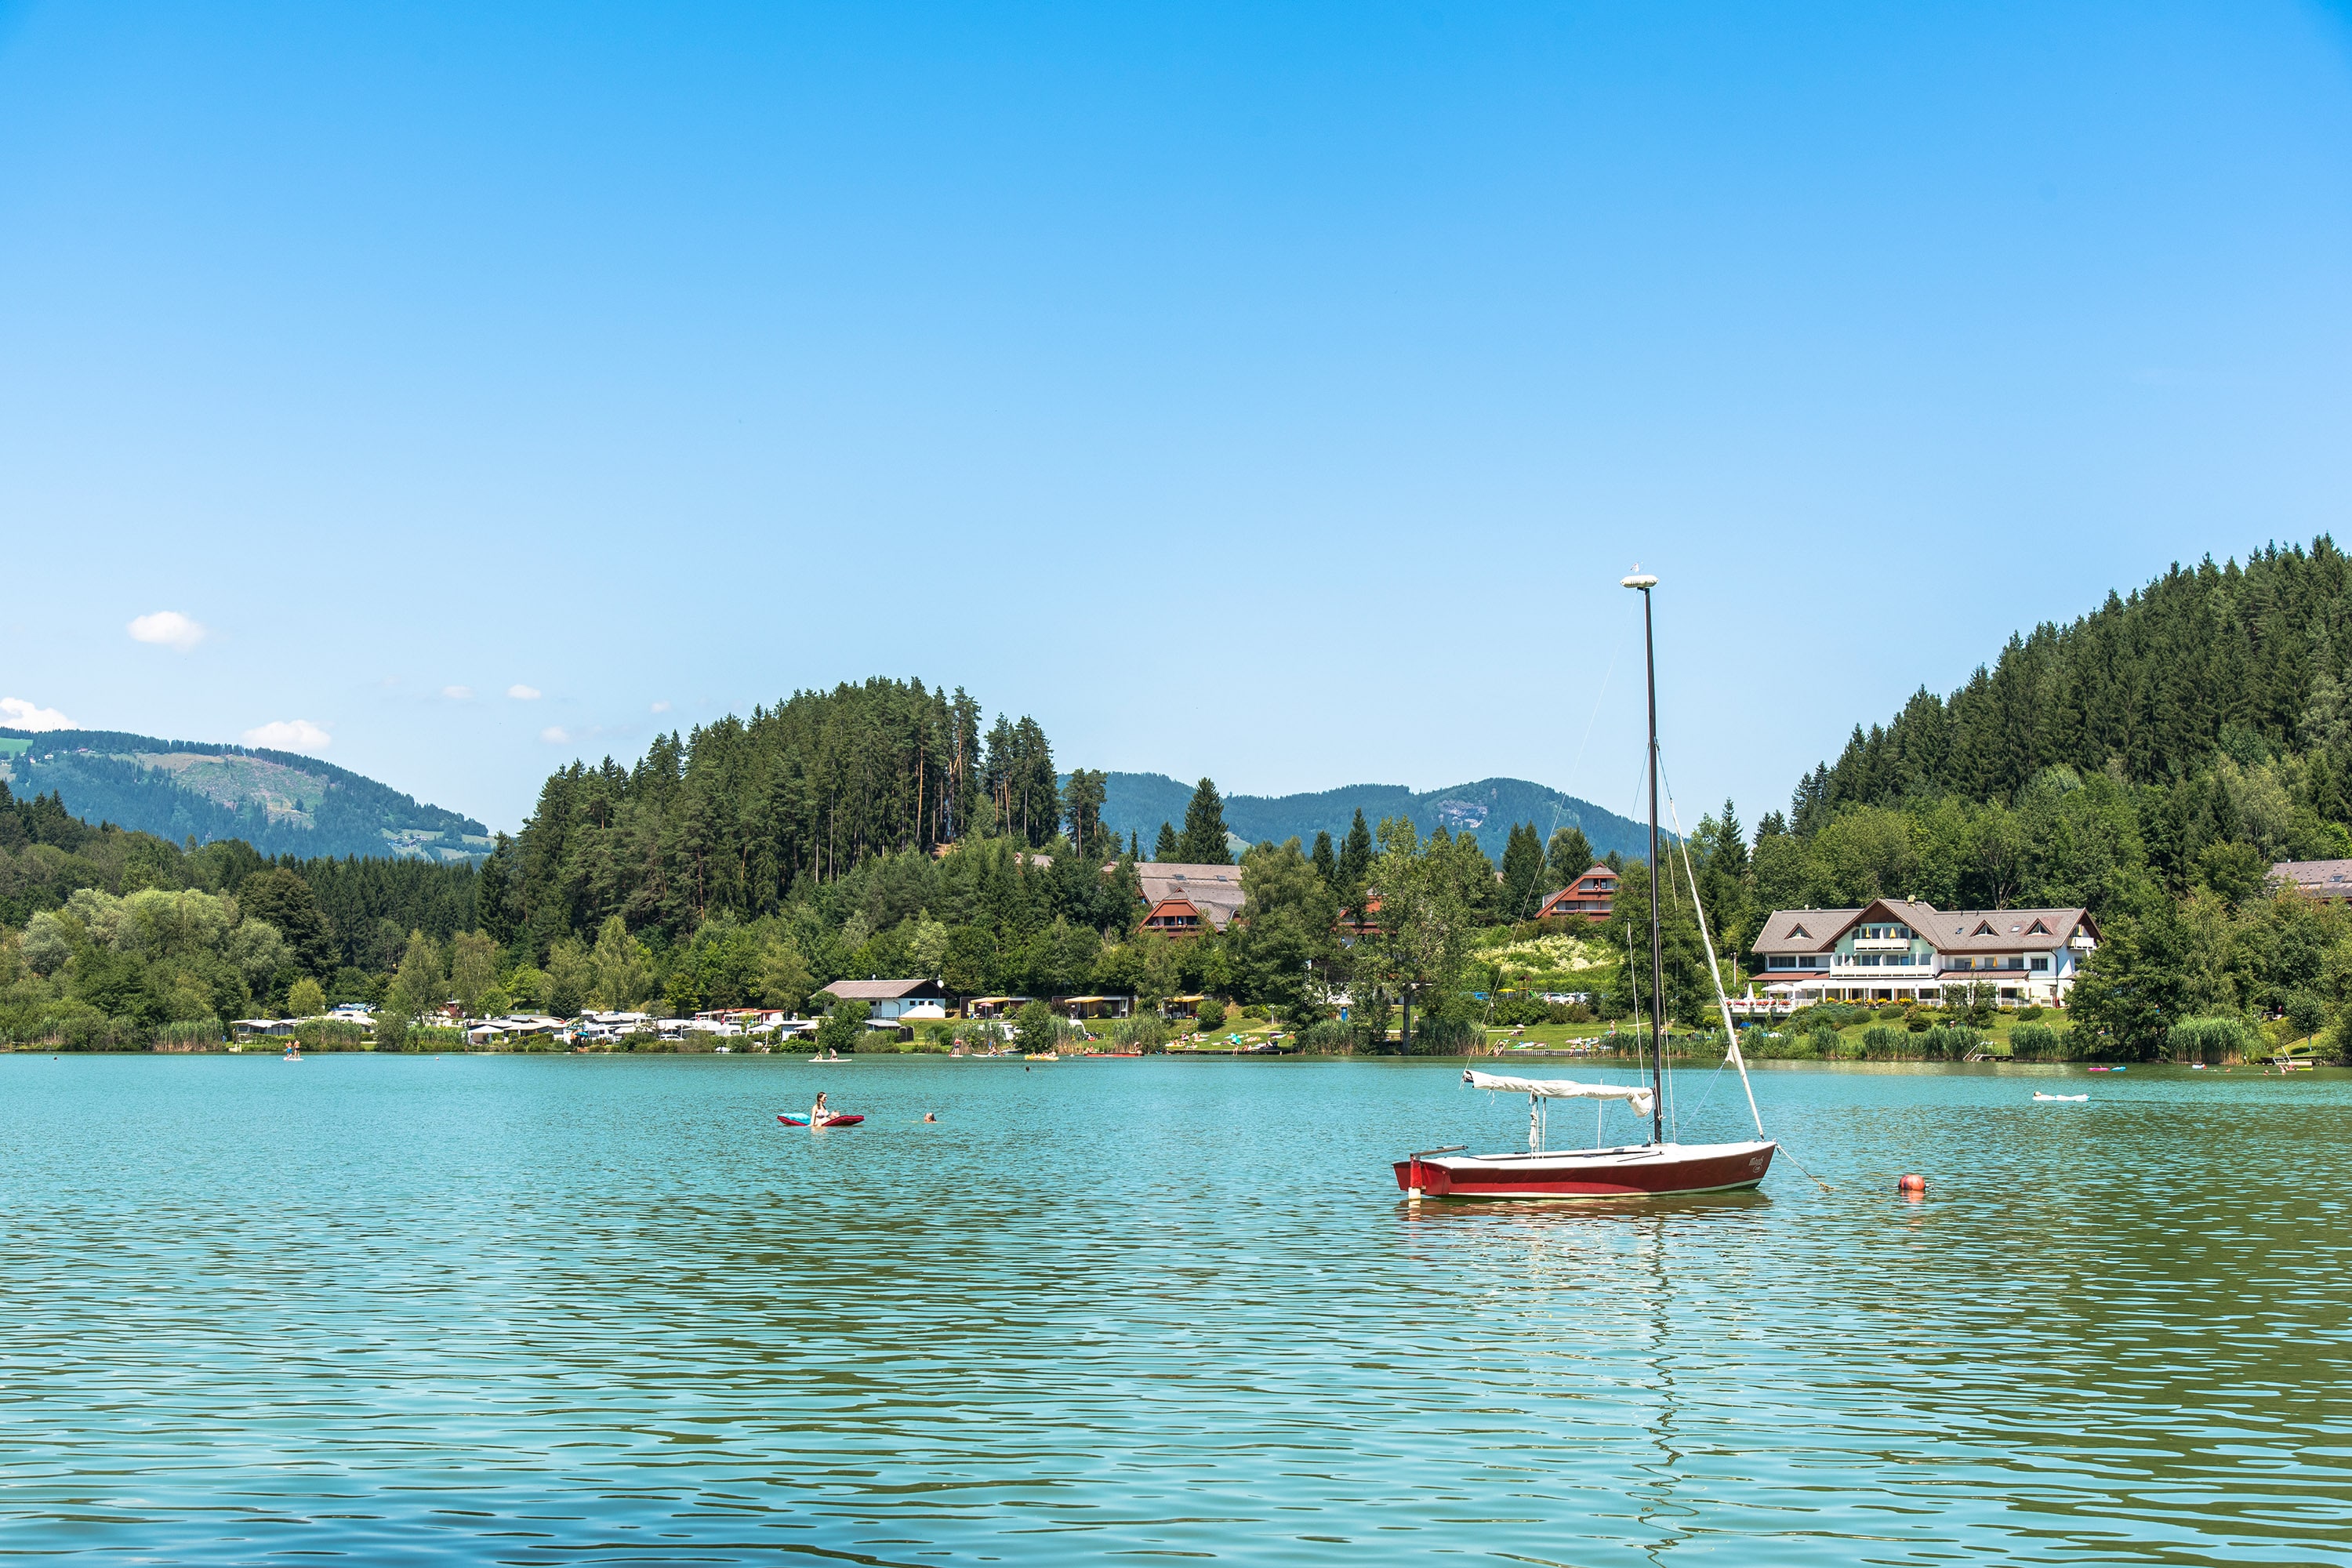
x,y
1164,849
1356,854
1203,843
1523,866
1326,863
1568,857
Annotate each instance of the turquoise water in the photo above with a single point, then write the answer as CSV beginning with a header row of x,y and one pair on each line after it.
x,y
531,1310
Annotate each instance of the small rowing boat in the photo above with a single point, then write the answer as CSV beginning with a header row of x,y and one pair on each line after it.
x,y
2038,1094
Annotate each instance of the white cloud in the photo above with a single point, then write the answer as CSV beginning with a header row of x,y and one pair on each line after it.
x,y
288,735
458,693
170,628
522,693
23,715
661,706
553,735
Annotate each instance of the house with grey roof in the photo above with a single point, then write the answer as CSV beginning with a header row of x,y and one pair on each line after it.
x,y
2318,878
888,1001
1904,949
1211,893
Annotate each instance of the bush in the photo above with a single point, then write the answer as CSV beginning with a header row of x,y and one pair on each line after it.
x,y
1147,1034
1035,1028
1880,1043
1331,1036
1834,1015
2032,1042
1211,1017
1253,1012
391,1031
330,1034
2030,1012
2305,1014
1443,1037
2213,1040
844,1027
1952,1042
1915,1019
1827,1043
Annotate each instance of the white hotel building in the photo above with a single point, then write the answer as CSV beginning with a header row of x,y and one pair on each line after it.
x,y
1900,949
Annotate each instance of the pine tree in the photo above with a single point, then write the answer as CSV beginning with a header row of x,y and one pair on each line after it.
x,y
1165,849
1523,868
1203,843
1568,857
1355,855
1327,862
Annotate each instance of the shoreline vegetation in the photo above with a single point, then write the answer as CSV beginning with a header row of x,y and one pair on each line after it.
x,y
2149,762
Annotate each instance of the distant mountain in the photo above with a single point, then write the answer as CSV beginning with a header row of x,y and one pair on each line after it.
x,y
1140,803
280,802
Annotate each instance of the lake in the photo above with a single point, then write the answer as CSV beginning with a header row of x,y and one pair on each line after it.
x,y
538,1309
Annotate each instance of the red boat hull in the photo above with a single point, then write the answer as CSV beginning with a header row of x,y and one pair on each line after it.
x,y
1650,1170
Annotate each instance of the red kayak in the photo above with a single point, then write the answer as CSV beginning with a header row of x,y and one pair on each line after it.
x,y
829,1121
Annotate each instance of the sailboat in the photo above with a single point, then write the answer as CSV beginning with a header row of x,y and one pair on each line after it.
x,y
1657,1168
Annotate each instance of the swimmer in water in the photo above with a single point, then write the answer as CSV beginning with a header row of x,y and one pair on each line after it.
x,y
818,1114
930,1116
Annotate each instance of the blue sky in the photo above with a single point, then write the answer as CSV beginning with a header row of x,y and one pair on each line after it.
x,y
1275,393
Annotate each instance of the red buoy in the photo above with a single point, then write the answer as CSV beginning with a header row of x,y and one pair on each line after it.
x,y
1912,1185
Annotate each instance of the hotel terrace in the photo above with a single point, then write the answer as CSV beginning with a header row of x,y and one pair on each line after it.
x,y
1900,949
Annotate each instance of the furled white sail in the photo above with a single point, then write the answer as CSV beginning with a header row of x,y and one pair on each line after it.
x,y
1561,1089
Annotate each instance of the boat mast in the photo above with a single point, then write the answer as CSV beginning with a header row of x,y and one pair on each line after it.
x,y
1644,582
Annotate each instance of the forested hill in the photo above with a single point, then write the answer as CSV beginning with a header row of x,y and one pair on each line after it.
x,y
279,802
2251,663
1139,803
2150,762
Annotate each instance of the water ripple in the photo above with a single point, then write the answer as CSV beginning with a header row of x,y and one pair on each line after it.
x,y
532,1310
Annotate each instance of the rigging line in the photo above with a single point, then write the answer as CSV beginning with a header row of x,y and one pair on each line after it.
x,y
1730,1030
1592,719
1732,1053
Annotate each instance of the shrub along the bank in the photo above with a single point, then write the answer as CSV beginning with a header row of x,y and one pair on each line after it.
x,y
330,1034
1950,1042
2041,1043
1443,1037
1149,1033
1883,1044
1333,1038
2213,1040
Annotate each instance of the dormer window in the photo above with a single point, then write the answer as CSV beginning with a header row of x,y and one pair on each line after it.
x,y
1984,928
2037,928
